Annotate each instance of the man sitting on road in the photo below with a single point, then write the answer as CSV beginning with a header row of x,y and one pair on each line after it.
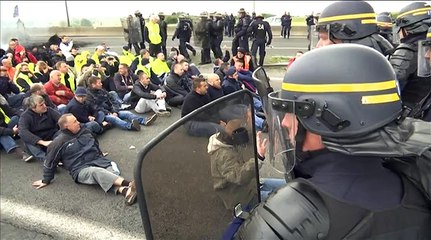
x,y
100,99
37,126
148,96
80,154
57,91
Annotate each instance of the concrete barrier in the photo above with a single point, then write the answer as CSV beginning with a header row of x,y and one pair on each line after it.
x,y
118,31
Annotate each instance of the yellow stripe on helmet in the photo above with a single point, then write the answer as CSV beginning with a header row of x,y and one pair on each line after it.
x,y
347,17
340,87
414,11
383,98
368,21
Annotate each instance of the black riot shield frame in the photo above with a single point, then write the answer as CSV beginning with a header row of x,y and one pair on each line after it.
x,y
263,86
179,192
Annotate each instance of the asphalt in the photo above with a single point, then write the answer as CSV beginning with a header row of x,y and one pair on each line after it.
x,y
67,210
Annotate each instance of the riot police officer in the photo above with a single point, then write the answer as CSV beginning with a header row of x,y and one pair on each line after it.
x,y
424,70
203,36
351,22
261,33
384,24
241,36
337,193
163,31
183,32
217,35
413,22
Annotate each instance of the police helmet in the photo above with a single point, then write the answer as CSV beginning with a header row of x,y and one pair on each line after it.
x,y
384,22
204,15
414,18
348,20
259,15
182,16
218,15
338,98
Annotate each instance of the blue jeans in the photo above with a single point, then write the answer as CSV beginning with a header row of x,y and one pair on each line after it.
x,y
13,122
269,185
61,108
94,127
124,115
8,143
38,151
258,123
15,100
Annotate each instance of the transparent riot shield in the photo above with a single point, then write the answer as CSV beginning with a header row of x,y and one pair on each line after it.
x,y
188,186
263,86
314,37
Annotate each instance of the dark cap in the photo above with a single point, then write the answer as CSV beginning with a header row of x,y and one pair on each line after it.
x,y
80,91
231,71
125,47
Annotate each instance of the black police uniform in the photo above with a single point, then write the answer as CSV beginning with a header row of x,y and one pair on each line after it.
x,y
385,31
217,37
261,33
163,33
183,32
202,31
241,36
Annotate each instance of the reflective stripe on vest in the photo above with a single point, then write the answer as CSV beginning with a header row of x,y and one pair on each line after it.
x,y
6,118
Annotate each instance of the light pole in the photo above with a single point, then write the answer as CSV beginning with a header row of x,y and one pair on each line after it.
x,y
67,13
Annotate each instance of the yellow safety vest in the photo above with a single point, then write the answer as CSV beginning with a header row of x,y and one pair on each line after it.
x,y
154,32
143,68
26,78
126,58
159,67
31,66
6,118
95,57
80,60
71,80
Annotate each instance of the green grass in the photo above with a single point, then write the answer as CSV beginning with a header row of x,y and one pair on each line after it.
x,y
278,59
298,21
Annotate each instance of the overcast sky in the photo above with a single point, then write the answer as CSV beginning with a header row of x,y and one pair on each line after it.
x,y
51,12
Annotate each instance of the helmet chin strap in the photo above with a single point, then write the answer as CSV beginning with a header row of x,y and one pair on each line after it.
x,y
299,142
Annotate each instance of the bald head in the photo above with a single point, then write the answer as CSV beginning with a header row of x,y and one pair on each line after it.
x,y
214,80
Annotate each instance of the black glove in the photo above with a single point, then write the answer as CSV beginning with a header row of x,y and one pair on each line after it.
x,y
268,43
173,38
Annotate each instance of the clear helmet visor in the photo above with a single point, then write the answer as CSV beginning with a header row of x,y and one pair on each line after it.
x,y
424,56
282,129
323,36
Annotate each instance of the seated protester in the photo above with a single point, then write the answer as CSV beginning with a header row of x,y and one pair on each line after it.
x,y
89,70
37,126
233,174
101,100
246,59
221,72
232,84
80,154
9,129
88,116
124,80
217,63
100,51
81,60
109,64
21,54
175,88
7,63
57,91
24,78
147,96
65,46
39,89
55,55
190,70
138,63
41,72
68,77
126,56
214,87
74,52
245,76
178,59
201,125
9,90
172,58
160,67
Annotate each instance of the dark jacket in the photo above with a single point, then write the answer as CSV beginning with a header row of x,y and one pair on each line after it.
x,y
100,100
140,91
215,93
175,83
121,82
34,126
80,111
193,101
230,85
7,87
76,151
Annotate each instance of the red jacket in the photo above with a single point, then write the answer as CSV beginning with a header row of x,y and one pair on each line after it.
x,y
58,99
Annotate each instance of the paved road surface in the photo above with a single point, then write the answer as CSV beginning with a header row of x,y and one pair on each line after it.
x,y
66,210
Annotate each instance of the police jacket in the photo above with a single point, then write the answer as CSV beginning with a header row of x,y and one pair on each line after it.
x,y
342,197
404,62
163,30
217,28
183,31
75,151
242,25
260,30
